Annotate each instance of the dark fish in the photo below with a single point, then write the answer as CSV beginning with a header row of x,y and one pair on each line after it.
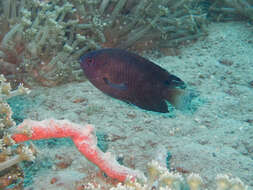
x,y
132,78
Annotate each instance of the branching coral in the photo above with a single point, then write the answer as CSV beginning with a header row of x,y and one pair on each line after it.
x,y
161,179
38,43
6,93
148,24
42,40
227,10
9,157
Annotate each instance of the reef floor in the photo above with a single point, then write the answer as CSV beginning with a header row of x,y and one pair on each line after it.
x,y
216,138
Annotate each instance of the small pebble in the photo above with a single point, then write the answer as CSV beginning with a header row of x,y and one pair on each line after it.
x,y
53,180
226,62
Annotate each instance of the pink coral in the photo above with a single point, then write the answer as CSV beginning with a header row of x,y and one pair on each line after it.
x,y
84,139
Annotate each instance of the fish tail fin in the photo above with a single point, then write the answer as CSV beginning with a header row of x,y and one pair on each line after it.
x,y
180,98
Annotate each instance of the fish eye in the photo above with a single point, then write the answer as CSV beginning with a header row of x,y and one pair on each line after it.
x,y
90,61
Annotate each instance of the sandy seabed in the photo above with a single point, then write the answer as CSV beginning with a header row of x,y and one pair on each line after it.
x,y
217,138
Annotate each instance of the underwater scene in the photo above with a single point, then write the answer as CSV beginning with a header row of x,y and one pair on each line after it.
x,y
126,94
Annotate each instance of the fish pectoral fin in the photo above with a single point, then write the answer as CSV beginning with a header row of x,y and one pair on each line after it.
x,y
120,86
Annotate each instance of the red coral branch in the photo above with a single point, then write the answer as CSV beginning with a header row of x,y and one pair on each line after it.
x,y
84,139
